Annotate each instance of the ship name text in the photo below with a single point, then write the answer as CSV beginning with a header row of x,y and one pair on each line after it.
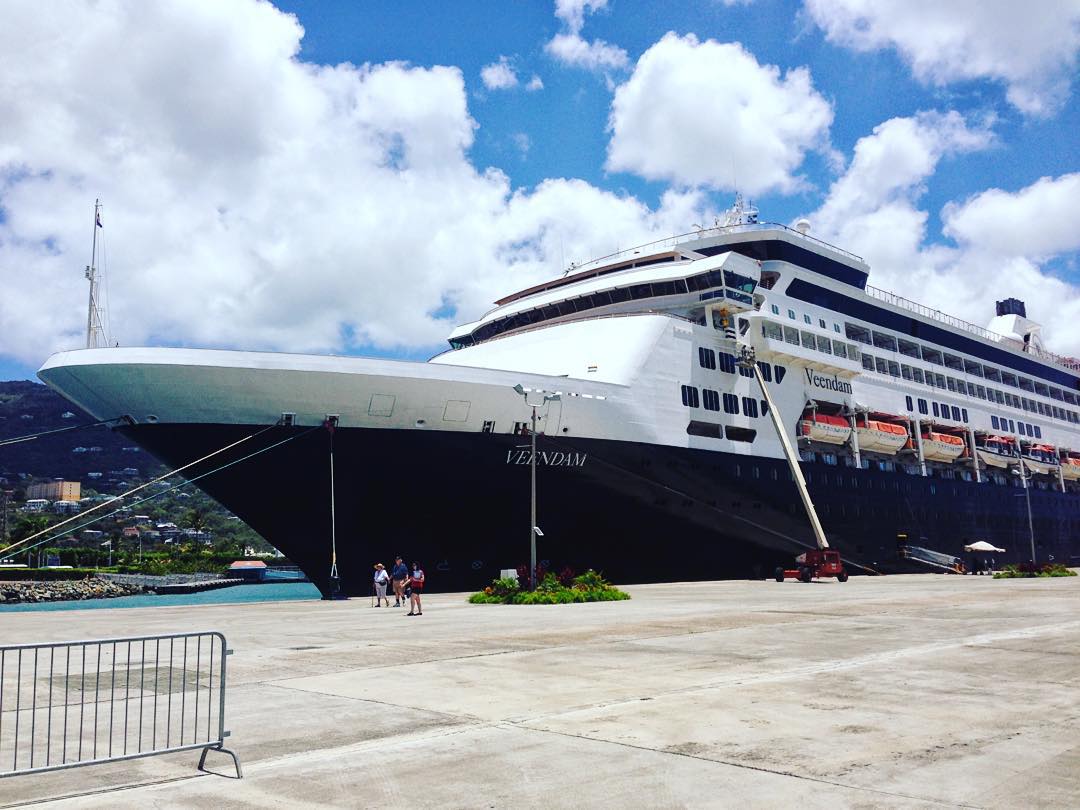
x,y
555,458
833,383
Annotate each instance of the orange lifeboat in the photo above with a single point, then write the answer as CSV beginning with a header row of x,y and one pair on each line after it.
x,y
879,436
821,427
942,446
1070,467
996,451
1040,458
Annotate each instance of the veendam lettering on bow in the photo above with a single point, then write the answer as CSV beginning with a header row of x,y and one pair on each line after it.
x,y
548,458
833,383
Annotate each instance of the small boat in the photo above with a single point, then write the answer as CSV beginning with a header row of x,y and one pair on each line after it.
x,y
879,436
821,427
996,451
942,446
1040,458
1070,467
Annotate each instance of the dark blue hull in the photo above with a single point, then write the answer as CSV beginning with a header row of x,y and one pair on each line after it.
x,y
459,503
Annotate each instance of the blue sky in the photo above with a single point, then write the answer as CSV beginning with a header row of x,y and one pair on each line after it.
x,y
345,180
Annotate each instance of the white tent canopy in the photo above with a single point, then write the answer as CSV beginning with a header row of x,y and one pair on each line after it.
x,y
982,545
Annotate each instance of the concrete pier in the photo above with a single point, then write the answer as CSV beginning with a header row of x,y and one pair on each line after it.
x,y
917,691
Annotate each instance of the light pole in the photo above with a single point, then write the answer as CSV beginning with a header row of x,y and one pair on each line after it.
x,y
1025,476
534,530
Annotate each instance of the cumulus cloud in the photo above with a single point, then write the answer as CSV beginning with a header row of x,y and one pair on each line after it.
x,y
700,113
253,200
1001,248
499,75
535,83
570,48
1031,48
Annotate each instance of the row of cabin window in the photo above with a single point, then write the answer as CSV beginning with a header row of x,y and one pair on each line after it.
x,y
712,430
808,340
941,410
707,358
910,349
712,400
933,379
1023,428
806,318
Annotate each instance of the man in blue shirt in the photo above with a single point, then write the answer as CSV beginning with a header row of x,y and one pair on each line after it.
x,y
399,573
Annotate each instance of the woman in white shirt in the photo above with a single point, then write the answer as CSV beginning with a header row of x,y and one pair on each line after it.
x,y
381,578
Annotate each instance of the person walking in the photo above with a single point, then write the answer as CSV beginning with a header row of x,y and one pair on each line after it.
x,y
381,578
399,573
416,585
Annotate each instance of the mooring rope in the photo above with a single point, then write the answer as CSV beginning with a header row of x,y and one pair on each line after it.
x,y
31,436
3,552
134,490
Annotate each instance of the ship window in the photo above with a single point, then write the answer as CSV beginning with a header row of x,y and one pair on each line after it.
x,y
807,319
1038,432
980,391
710,399
1010,379
937,411
944,411
839,348
939,380
822,324
836,328
853,352
706,429
773,330
1070,397
1012,427
824,345
994,422
791,314
954,362
808,341
1027,384
779,372
992,374
775,309
971,367
689,396
868,362
922,406
999,397
950,383
791,335
764,408
955,413
727,363
931,355
745,372
858,333
1055,393
750,407
905,371
894,368
910,406
880,365
907,348
706,357
963,413
887,342
766,371
739,434
731,403
916,374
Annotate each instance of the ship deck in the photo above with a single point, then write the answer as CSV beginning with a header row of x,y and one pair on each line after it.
x,y
911,691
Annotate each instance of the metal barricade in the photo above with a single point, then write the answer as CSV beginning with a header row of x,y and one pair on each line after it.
x,y
76,703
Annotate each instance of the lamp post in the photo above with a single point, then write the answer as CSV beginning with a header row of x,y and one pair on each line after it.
x,y
1025,476
534,530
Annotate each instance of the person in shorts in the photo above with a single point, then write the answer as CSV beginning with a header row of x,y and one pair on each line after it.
x,y
416,587
381,579
399,573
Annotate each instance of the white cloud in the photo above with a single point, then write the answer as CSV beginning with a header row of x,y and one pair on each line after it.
x,y
522,142
572,49
535,83
707,113
872,210
1032,48
255,201
499,75
1039,220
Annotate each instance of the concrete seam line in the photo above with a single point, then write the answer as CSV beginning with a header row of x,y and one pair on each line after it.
x,y
744,766
111,789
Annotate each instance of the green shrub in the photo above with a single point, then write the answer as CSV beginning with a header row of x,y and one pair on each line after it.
x,y
1026,571
589,587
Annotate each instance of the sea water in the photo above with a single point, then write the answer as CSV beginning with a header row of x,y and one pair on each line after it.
x,y
238,594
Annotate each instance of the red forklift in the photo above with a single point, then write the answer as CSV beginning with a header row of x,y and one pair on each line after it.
x,y
815,564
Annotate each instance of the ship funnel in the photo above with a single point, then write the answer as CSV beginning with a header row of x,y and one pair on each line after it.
x,y
803,226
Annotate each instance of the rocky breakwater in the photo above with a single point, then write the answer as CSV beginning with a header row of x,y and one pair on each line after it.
x,y
61,590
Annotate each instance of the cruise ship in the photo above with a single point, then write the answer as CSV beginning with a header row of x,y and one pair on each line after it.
x,y
657,460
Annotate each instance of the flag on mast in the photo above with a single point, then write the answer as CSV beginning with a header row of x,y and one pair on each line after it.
x,y
97,219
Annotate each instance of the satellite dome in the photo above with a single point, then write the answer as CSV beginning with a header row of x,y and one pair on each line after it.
x,y
803,226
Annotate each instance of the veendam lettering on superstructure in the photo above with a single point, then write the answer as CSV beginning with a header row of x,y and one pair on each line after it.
x,y
833,383
547,458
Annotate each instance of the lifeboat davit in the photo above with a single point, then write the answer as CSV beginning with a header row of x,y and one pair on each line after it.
x,y
881,437
941,446
1070,467
1040,458
820,427
997,451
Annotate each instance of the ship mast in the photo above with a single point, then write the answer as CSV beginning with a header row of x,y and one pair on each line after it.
x,y
95,331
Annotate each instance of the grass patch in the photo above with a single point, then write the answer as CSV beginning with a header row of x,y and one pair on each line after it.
x,y
588,587
1027,570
